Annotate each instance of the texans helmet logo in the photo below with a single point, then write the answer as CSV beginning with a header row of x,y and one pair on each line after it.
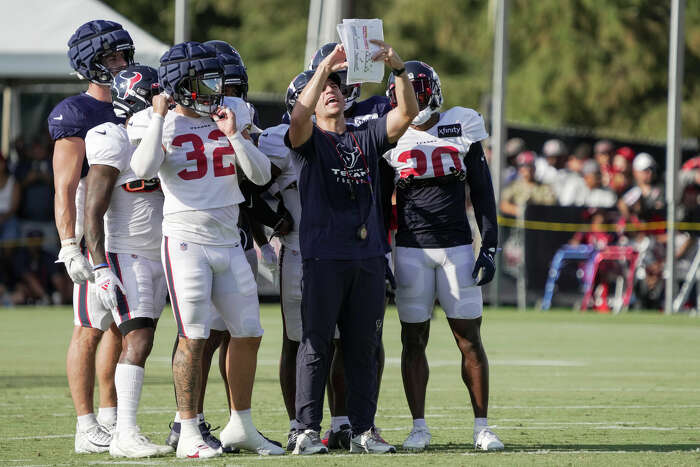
x,y
129,83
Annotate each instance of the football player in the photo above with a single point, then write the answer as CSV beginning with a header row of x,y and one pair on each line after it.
x,y
434,256
194,151
129,278
97,51
356,112
235,84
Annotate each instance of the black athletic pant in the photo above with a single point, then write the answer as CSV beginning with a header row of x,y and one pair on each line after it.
x,y
351,294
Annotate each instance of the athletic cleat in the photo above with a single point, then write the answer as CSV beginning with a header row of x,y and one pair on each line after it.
x,y
340,439
174,435
256,443
370,442
110,428
418,440
94,439
276,443
195,448
211,440
292,439
309,442
486,440
133,444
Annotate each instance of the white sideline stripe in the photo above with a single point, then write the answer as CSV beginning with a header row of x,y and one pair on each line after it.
x,y
613,389
539,452
496,362
464,408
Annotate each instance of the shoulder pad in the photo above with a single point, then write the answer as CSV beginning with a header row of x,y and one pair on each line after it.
x,y
462,120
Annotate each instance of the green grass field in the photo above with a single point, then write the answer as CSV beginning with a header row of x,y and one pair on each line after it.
x,y
566,389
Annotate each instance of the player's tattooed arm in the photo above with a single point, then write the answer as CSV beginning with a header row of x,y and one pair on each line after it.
x,y
100,184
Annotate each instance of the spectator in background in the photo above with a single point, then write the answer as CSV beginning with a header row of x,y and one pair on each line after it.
x,y
621,170
548,168
594,195
35,177
602,153
9,203
40,281
650,195
570,184
525,189
513,147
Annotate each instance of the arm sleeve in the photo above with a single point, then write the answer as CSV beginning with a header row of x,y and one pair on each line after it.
x,y
481,191
254,163
149,155
260,211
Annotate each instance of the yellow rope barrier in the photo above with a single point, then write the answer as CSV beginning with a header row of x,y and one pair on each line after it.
x,y
587,227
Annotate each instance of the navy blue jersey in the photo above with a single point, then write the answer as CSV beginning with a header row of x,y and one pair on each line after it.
x,y
336,172
75,115
368,109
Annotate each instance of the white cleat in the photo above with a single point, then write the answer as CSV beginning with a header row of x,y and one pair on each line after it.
x,y
418,440
235,436
195,448
133,444
486,440
110,428
370,442
309,442
94,439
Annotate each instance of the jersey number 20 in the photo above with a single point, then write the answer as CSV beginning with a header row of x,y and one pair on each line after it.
x,y
435,159
198,154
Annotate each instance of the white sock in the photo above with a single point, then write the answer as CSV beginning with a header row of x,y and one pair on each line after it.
x,y
480,424
177,417
337,422
189,428
294,424
86,421
107,416
128,380
200,418
420,423
243,428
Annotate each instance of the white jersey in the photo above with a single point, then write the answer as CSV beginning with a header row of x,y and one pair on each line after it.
x,y
133,219
434,152
198,176
271,142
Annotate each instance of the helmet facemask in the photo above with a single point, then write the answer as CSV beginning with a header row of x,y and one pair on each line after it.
x,y
104,74
203,94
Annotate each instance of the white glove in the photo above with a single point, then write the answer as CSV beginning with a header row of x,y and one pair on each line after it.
x,y
77,265
269,257
107,283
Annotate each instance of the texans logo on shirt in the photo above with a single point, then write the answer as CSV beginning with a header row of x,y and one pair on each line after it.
x,y
129,84
349,173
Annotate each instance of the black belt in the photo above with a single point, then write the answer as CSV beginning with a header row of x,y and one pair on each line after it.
x,y
142,186
457,176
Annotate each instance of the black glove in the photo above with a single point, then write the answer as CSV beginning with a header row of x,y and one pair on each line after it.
x,y
486,263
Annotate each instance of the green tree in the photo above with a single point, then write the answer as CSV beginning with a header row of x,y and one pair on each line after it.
x,y
586,63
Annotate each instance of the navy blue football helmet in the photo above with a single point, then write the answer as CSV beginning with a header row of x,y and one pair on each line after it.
x,y
192,75
350,92
133,90
235,73
91,42
295,87
426,85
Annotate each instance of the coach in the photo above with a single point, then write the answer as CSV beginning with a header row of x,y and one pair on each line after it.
x,y
342,243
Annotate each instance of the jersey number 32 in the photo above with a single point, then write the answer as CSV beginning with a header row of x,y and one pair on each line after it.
x,y
198,154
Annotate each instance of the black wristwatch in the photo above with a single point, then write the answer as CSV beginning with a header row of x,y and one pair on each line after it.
x,y
398,72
